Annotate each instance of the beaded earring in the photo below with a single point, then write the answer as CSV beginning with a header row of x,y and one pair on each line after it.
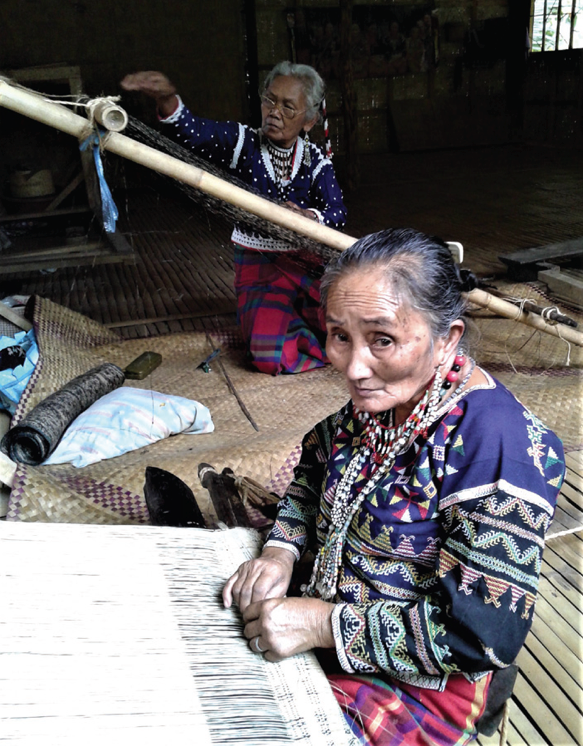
x,y
307,155
453,375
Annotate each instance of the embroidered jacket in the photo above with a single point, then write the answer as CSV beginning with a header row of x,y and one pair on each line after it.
x,y
241,151
441,562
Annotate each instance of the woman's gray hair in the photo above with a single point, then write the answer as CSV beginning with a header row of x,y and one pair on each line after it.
x,y
312,85
419,268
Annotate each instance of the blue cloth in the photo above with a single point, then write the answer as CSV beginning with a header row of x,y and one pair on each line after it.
x,y
109,209
13,380
441,561
240,150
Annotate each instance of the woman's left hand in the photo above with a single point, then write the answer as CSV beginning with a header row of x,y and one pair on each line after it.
x,y
281,627
296,208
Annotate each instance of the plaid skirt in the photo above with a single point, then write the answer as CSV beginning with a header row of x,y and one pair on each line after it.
x,y
381,713
278,310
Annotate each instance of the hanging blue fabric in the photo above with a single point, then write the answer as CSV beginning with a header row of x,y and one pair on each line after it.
x,y
110,213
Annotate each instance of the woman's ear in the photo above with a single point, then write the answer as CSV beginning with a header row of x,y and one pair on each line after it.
x,y
307,126
452,340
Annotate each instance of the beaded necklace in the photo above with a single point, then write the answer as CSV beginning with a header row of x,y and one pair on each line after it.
x,y
380,444
282,160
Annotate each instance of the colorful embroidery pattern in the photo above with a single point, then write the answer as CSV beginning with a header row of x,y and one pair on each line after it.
x,y
441,562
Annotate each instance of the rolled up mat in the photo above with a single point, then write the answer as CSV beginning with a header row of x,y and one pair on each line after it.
x,y
37,435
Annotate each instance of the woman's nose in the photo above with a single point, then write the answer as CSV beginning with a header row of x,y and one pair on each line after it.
x,y
358,364
276,108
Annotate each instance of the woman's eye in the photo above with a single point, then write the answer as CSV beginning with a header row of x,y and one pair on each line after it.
x,y
339,336
383,341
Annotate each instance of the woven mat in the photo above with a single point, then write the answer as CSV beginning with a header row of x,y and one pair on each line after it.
x,y
530,363
111,491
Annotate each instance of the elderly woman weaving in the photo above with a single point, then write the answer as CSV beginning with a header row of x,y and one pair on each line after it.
x,y
277,298
425,501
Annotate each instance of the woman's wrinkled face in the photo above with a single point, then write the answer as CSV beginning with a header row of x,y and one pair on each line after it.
x,y
287,96
383,346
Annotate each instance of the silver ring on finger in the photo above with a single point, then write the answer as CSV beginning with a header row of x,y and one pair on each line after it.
x,y
256,647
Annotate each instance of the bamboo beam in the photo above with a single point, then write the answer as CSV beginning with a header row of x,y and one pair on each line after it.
x,y
510,311
55,115
35,107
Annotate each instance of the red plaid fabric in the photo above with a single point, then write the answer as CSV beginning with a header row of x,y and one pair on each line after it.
x,y
278,309
385,714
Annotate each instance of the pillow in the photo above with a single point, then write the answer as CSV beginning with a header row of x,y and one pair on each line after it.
x,y
124,420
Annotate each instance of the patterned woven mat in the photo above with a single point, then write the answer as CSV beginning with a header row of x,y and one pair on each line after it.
x,y
530,363
111,491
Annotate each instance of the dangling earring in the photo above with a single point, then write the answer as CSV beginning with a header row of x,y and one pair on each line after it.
x,y
307,156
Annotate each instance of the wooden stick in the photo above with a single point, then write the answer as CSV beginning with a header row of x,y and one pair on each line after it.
x,y
231,385
54,115
14,318
548,313
510,311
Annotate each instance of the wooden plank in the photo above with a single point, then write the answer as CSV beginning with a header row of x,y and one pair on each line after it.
x,y
548,614
563,521
57,263
567,604
569,547
561,583
570,491
15,218
574,461
572,511
14,318
540,714
525,727
565,712
545,658
119,243
563,286
566,571
525,264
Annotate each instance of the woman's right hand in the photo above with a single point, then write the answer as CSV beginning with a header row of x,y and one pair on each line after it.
x,y
267,576
153,84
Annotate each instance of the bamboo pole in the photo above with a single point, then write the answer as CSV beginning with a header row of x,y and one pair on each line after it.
x,y
35,107
55,115
510,311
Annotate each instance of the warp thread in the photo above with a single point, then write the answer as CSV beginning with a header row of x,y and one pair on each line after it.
x,y
38,433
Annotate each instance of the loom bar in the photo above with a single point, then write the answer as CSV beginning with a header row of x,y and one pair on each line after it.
x,y
34,106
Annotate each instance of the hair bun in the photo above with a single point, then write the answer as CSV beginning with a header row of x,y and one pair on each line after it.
x,y
468,280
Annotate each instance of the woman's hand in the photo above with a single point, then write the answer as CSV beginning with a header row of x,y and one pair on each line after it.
x,y
266,577
296,208
281,627
157,86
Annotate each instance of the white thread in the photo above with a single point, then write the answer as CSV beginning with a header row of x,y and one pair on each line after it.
x,y
567,531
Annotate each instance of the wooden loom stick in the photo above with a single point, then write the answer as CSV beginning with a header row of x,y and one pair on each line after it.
x,y
34,106
510,311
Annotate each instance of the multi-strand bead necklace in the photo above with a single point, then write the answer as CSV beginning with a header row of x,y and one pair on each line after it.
x,y
380,444
281,160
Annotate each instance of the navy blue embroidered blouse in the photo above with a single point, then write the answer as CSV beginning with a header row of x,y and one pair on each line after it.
x,y
441,562
240,150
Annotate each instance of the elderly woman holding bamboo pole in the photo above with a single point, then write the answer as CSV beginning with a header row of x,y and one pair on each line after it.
x,y
277,297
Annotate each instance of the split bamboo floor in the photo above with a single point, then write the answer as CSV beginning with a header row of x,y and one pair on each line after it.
x,y
547,704
494,201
